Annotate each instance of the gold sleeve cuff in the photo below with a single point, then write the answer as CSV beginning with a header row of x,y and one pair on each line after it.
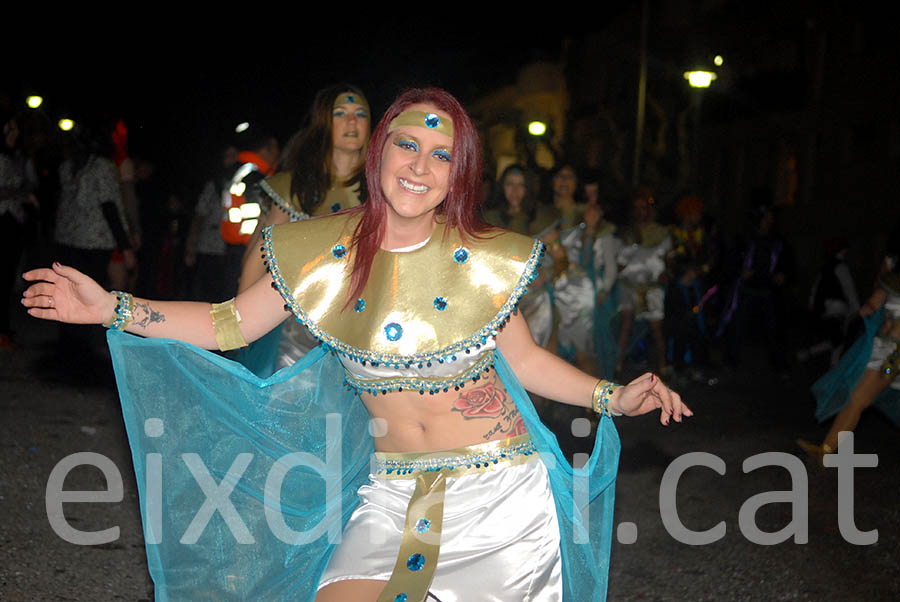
x,y
225,320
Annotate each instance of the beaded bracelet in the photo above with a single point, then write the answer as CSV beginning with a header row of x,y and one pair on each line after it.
x,y
124,311
602,396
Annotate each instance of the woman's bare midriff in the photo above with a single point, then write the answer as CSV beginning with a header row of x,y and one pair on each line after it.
x,y
479,412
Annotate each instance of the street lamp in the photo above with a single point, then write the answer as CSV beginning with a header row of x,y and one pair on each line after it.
x,y
65,124
34,101
699,79
242,127
537,128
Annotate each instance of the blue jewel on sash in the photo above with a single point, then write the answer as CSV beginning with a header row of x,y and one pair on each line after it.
x,y
359,305
440,303
401,597
335,207
339,251
422,525
393,331
461,255
432,120
415,562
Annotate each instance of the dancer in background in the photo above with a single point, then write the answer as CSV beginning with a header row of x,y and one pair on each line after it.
x,y
323,174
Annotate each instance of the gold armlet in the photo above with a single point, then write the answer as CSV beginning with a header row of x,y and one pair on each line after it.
x,y
225,320
602,396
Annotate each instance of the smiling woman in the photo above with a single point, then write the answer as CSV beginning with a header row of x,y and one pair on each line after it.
x,y
460,494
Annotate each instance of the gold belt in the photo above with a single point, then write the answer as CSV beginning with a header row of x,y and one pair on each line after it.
x,y
420,545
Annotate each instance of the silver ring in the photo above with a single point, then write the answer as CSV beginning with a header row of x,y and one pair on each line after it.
x,y
51,301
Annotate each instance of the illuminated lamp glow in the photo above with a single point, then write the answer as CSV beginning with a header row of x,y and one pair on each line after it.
x,y
249,226
537,128
234,215
238,188
250,210
66,124
242,127
718,60
699,79
34,101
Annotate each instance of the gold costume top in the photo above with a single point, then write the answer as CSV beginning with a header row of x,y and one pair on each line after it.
x,y
278,190
426,319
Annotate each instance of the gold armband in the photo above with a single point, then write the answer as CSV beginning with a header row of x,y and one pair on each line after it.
x,y
602,396
225,320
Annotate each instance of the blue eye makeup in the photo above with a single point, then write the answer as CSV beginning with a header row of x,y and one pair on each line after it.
x,y
407,144
362,114
442,155
338,113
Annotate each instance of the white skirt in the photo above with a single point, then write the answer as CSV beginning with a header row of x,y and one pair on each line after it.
x,y
500,538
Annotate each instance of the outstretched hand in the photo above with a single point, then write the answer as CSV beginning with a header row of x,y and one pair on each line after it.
x,y
66,295
647,393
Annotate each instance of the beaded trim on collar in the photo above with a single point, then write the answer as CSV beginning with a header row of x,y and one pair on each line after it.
x,y
422,385
449,353
282,203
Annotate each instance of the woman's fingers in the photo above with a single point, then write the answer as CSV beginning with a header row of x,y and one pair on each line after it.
x,y
45,274
45,313
41,288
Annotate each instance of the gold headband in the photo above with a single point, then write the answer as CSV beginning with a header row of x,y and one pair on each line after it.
x,y
351,98
421,119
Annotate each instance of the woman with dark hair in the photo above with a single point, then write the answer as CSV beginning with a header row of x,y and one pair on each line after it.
x,y
514,211
867,374
15,199
409,294
323,174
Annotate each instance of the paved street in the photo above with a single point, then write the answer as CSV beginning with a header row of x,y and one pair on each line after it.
x,y
49,410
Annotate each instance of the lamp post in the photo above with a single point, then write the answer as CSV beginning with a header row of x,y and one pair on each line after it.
x,y
699,80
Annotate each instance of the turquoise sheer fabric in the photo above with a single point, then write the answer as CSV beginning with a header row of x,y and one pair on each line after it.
x,y
261,356
832,391
234,471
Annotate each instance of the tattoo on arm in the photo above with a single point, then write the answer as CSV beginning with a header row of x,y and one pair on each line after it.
x,y
489,401
144,315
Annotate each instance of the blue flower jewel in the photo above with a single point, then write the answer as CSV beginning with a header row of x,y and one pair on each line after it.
x,y
350,98
335,207
339,251
461,255
359,305
401,597
440,303
422,525
415,562
432,120
393,331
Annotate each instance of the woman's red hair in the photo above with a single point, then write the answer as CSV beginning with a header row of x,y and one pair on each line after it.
x,y
460,207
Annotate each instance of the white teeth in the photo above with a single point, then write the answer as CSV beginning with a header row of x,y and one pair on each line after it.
x,y
413,187
351,134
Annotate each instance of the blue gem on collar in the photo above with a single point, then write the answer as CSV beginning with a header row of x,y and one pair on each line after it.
x,y
401,597
360,305
432,120
350,98
393,331
335,207
422,525
339,251
440,303
415,562
461,255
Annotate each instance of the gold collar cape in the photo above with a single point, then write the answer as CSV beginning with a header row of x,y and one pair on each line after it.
x,y
430,304
338,197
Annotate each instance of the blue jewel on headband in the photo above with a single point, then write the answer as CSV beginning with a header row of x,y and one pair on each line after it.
x,y
432,120
461,255
415,562
339,251
440,303
335,207
360,305
393,331
350,98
